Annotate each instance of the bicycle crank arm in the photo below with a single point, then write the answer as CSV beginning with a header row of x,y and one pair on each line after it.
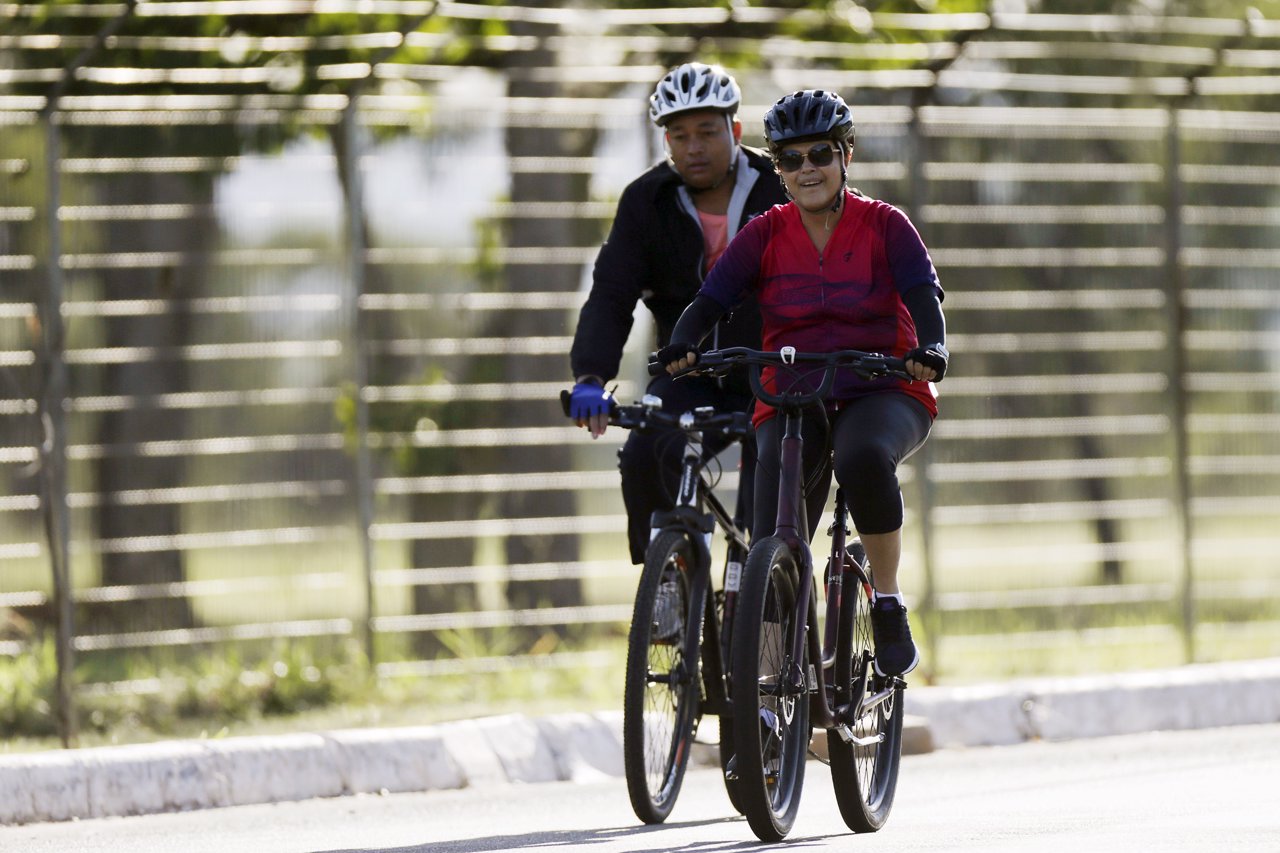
x,y
855,712
671,678
784,690
870,703
847,735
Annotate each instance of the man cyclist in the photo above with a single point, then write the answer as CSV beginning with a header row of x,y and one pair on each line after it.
x,y
672,224
836,270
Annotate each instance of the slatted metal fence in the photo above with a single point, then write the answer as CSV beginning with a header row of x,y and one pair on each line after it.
x,y
289,357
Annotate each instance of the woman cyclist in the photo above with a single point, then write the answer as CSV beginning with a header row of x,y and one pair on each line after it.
x,y
831,270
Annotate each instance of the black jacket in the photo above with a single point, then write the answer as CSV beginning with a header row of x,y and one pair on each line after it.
x,y
654,253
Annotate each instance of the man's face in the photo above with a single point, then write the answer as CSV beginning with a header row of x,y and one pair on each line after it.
x,y
702,145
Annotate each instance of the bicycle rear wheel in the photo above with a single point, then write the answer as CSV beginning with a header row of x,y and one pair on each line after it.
x,y
864,770
661,697
771,721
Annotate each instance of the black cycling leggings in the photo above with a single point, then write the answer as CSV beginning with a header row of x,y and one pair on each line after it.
x,y
870,436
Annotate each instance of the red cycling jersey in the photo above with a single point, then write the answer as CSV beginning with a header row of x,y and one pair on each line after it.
x,y
847,297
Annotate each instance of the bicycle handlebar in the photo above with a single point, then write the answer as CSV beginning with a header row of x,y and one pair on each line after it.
x,y
704,419
868,365
701,420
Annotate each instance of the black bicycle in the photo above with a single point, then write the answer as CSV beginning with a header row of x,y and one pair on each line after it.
x,y
678,646
798,684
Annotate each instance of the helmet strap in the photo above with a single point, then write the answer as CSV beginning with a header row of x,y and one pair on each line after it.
x,y
844,180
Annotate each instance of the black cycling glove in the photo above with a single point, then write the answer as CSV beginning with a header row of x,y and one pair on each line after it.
x,y
675,352
931,355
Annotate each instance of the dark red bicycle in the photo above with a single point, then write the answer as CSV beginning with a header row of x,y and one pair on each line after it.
x,y
797,683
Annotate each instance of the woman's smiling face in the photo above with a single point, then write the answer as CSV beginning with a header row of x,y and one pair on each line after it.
x,y
813,187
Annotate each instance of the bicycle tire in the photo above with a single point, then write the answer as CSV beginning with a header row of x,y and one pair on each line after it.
x,y
726,750
725,747
771,755
661,695
865,777
726,717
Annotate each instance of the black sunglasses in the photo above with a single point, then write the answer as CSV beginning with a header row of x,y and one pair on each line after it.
x,y
819,155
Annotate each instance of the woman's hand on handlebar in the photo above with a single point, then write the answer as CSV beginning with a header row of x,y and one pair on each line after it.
x,y
678,356
928,363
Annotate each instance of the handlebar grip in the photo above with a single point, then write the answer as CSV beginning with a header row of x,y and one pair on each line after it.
x,y
656,368
564,401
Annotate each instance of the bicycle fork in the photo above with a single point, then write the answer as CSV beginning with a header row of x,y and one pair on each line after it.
x,y
698,527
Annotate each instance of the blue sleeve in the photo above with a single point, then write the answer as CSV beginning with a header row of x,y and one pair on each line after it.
x,y
736,272
909,260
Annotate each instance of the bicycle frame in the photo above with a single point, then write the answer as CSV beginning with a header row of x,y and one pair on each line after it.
x,y
800,681
824,711
824,708
698,512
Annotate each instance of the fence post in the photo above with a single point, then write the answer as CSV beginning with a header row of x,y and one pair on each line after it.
x,y
357,249
1176,358
359,365
51,405
52,410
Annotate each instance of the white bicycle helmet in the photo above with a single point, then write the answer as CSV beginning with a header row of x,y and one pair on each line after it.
x,y
693,86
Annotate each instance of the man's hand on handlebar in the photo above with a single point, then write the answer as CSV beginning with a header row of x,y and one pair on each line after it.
x,y
677,356
589,406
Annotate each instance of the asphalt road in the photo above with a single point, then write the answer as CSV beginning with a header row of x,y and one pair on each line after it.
x,y
1210,789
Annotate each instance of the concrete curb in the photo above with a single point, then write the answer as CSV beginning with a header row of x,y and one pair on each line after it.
x,y
1187,697
185,775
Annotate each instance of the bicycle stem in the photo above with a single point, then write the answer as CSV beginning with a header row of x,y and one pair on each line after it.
x,y
689,474
790,491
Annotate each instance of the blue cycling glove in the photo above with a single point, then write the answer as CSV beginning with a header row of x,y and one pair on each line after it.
x,y
589,399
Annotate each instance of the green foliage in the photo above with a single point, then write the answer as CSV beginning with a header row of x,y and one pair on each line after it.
x,y
296,684
527,689
293,680
27,693
209,690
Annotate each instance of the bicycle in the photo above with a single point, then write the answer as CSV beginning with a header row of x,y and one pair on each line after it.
x,y
776,633
675,675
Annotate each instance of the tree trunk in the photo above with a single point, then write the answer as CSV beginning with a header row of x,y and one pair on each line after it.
x,y
452,597
564,186
120,467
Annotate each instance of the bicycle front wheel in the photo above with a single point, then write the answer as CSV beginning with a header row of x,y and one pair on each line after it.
x,y
771,716
660,701
865,754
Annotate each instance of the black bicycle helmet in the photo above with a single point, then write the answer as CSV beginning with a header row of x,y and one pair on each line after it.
x,y
809,114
